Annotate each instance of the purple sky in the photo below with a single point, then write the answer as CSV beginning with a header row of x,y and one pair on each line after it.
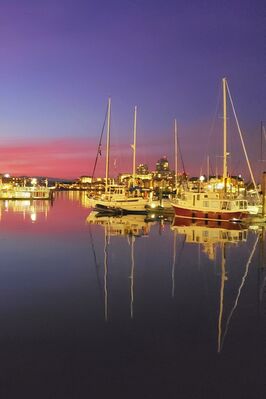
x,y
60,60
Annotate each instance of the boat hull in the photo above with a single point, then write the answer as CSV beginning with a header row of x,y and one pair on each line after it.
x,y
120,207
118,210
209,215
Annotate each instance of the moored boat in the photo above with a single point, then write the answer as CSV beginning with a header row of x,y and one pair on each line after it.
x,y
210,206
22,193
221,205
118,198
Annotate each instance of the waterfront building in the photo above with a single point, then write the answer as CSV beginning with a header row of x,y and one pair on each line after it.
x,y
143,169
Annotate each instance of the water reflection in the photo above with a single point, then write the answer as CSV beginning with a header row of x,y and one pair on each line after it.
x,y
82,197
129,226
171,295
27,208
211,237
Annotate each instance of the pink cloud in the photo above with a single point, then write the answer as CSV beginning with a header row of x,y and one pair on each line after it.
x,y
71,158
67,158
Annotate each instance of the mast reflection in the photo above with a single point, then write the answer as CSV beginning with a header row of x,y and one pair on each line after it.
x,y
210,236
27,208
129,226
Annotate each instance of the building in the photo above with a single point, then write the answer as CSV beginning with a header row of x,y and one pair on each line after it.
x,y
143,169
162,166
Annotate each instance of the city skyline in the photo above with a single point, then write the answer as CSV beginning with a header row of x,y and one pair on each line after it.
x,y
61,60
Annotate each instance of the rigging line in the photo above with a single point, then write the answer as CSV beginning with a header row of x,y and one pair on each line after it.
x,y
262,264
212,170
100,144
242,142
180,153
212,126
240,288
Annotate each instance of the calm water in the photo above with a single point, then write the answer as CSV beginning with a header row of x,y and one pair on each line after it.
x,y
122,308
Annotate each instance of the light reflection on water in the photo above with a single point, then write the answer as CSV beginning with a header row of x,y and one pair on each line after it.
x,y
128,306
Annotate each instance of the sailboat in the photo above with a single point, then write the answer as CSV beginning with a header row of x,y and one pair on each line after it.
x,y
117,199
208,205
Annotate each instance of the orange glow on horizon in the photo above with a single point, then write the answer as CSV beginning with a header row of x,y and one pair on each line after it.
x,y
70,158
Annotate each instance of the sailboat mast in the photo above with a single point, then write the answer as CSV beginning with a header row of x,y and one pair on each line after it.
x,y
224,130
134,145
107,145
261,140
175,130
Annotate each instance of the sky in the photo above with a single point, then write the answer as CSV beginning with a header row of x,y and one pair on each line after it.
x,y
60,60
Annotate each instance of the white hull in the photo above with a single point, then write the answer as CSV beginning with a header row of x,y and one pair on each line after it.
x,y
127,205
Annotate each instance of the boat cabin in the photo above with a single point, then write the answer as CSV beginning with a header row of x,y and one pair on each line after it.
x,y
213,201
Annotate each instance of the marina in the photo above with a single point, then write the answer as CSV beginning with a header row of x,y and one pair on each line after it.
x,y
127,299
132,199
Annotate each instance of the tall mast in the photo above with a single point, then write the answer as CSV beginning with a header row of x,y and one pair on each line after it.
x,y
107,145
225,131
261,141
134,145
175,129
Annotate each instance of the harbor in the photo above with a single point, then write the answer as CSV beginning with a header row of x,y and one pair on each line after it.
x,y
104,293
132,199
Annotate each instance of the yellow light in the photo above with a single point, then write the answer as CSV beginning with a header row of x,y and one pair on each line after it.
x,y
219,185
33,217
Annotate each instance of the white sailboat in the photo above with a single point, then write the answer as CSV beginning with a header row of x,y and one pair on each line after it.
x,y
117,198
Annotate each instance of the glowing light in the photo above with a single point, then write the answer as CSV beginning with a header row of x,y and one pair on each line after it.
x,y
33,217
219,185
6,175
